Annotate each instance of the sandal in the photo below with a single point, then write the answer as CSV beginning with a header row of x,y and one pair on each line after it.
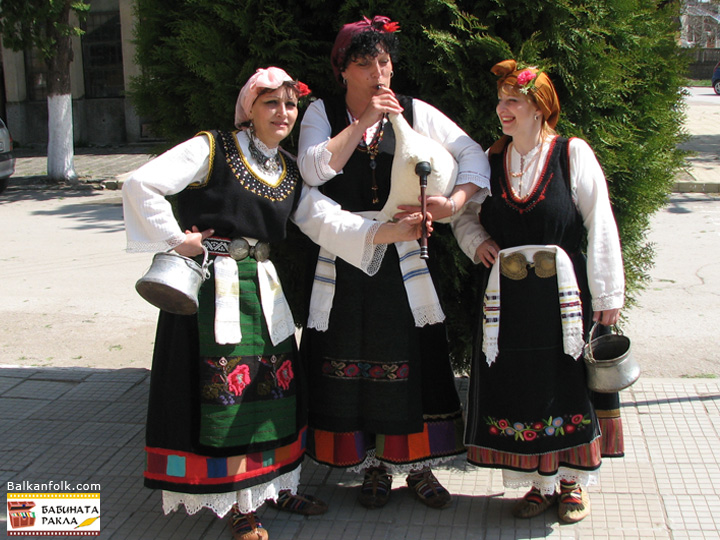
x,y
427,488
533,504
305,505
376,487
246,526
574,503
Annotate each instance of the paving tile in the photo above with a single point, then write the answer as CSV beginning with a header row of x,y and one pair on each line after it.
x,y
18,372
6,383
100,434
89,428
99,391
46,390
62,374
13,409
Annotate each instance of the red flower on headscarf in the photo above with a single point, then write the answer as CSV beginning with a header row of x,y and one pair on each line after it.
x,y
391,27
303,89
524,77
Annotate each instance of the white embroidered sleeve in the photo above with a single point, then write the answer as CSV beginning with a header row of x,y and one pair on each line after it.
x,y
473,164
149,221
468,231
313,155
606,275
344,234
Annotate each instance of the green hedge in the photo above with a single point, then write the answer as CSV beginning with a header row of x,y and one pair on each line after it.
x,y
616,65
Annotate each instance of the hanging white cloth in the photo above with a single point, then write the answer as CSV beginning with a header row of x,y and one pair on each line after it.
x,y
568,297
421,294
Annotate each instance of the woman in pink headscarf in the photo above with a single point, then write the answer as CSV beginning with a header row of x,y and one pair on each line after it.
x,y
226,425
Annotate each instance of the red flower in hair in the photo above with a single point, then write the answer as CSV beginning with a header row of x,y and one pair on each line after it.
x,y
391,27
524,77
303,89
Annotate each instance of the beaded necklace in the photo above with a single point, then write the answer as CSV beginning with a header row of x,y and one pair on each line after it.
x,y
524,167
373,148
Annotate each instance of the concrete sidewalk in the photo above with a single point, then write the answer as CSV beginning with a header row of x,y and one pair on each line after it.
x,y
87,426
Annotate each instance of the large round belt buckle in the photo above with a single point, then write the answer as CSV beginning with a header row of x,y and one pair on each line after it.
x,y
261,251
239,249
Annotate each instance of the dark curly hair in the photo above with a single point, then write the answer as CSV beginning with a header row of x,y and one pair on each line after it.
x,y
370,43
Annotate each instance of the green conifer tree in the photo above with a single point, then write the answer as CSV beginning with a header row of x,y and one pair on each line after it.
x,y
616,65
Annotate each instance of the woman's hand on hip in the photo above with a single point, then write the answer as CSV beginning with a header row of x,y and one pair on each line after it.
x,y
192,245
487,252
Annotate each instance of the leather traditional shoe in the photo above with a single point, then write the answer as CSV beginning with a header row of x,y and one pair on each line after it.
x,y
427,488
305,505
533,504
246,526
376,487
574,504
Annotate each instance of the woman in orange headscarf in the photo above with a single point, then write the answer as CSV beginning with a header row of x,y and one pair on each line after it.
x,y
530,412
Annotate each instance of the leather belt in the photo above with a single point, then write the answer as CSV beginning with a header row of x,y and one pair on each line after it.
x,y
237,248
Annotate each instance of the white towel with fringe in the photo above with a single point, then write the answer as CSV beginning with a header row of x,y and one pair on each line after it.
x,y
275,308
421,294
568,297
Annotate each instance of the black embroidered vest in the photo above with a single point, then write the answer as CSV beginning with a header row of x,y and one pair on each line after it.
x,y
547,216
236,203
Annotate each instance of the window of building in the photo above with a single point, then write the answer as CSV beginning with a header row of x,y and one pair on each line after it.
x,y
102,55
36,74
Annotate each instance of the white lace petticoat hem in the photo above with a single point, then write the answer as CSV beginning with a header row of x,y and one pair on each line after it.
x,y
549,484
402,468
248,500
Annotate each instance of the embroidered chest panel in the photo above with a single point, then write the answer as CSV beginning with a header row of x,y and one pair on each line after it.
x,y
241,170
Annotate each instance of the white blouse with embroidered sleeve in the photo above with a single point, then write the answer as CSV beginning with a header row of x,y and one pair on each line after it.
x,y
149,221
313,155
606,275
315,133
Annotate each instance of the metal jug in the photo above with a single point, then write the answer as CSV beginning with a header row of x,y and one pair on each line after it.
x,y
173,281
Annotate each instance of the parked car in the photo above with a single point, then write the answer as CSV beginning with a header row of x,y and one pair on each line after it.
x,y
7,158
716,79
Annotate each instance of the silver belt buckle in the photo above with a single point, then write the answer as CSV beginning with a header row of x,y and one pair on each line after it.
x,y
260,251
239,249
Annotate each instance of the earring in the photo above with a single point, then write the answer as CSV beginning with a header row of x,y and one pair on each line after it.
x,y
536,117
344,80
392,74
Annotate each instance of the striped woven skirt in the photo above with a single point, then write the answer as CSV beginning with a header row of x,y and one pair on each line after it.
x,y
222,417
531,411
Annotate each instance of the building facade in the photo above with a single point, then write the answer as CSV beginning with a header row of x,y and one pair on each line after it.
x,y
102,68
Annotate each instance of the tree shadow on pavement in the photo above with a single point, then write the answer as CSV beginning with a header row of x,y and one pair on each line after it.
x,y
91,209
105,216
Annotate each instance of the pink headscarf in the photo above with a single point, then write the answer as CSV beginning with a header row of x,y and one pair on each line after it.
x,y
272,78
379,23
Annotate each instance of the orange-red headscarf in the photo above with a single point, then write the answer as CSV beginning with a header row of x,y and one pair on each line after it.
x,y
532,82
